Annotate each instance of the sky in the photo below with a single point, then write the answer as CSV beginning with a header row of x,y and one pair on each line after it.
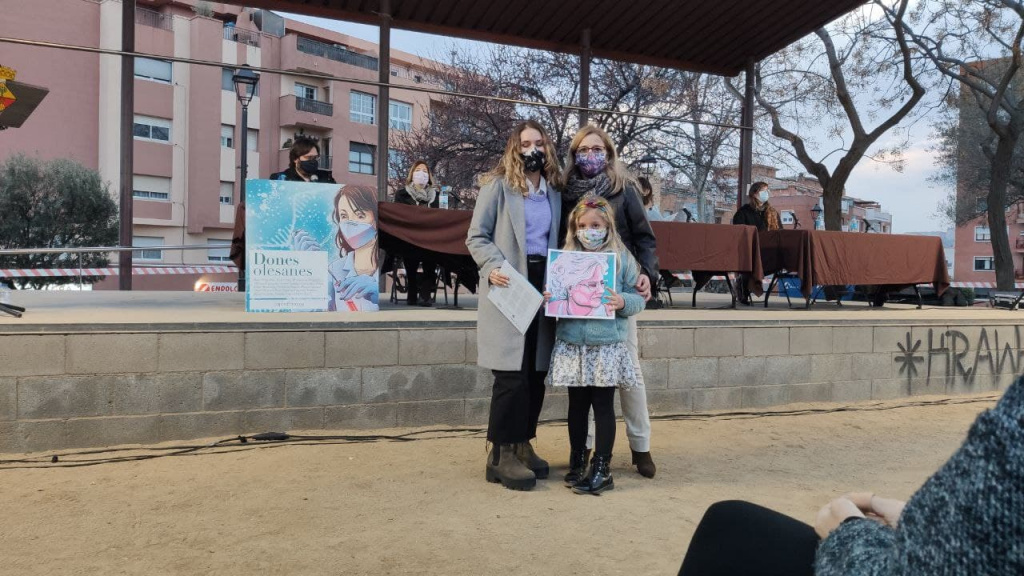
x,y
908,195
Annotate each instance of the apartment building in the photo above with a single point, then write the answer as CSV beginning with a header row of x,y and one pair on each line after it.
x,y
187,146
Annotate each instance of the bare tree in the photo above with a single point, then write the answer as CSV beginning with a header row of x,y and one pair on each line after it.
x,y
858,69
977,44
466,136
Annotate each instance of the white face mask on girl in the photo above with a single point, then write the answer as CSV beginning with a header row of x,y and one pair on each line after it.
x,y
592,238
763,196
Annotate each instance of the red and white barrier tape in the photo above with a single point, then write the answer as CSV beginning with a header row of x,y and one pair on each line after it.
x,y
137,271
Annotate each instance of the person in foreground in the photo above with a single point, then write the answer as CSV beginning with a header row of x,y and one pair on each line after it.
x,y
516,220
590,357
594,168
968,518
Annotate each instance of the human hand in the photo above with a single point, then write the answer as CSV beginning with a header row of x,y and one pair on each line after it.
x,y
360,286
884,510
643,287
615,301
496,278
304,241
547,296
833,514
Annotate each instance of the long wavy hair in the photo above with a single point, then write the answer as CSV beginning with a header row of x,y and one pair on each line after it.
x,y
617,172
362,198
771,215
511,166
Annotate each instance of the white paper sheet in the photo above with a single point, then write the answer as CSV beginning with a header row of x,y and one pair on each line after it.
x,y
519,301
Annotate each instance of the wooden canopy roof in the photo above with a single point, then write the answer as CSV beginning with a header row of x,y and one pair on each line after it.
x,y
716,36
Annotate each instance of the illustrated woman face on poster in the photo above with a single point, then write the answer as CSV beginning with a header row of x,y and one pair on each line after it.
x,y
577,285
354,273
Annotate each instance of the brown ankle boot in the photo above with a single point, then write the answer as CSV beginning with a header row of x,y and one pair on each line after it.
x,y
539,466
644,464
503,466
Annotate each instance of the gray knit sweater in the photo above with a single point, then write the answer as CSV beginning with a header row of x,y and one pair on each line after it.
x,y
966,519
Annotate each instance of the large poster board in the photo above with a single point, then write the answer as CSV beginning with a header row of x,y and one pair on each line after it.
x,y
310,247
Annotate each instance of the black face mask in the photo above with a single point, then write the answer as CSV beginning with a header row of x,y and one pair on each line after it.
x,y
534,162
309,167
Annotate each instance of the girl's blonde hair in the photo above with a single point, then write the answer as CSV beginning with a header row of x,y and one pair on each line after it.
x,y
616,170
511,166
599,205
415,165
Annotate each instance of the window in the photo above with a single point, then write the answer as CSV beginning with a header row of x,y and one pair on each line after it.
x,y
227,136
149,128
786,217
149,69
981,205
227,193
982,234
305,91
227,82
401,116
396,163
218,254
144,241
360,158
361,108
252,138
984,263
151,188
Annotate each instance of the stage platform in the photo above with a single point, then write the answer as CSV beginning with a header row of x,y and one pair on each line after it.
x,y
87,369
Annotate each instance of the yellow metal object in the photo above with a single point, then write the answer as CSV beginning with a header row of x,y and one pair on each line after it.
x,y
7,73
6,97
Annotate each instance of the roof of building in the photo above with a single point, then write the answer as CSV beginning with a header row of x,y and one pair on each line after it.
x,y
717,37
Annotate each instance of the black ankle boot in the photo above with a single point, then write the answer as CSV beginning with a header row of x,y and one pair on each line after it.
x,y
598,478
577,466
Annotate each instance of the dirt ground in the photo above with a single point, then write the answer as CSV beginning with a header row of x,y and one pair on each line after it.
x,y
423,507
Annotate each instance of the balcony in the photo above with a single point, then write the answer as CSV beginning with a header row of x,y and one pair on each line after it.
x,y
336,53
152,18
305,112
247,37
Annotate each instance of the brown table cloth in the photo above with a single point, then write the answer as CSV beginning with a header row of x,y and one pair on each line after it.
x,y
440,235
709,249
820,257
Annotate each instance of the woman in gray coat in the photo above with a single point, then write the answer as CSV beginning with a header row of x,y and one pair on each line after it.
x,y
516,220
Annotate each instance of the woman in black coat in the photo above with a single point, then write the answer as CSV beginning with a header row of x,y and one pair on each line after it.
x,y
594,169
419,190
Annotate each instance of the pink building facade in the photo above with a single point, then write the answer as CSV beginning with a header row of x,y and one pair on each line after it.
x,y
187,143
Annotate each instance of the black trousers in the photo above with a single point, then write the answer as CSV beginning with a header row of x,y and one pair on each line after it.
x,y
744,539
518,395
421,286
602,400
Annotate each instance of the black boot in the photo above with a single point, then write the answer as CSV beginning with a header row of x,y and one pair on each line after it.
x,y
577,466
644,464
598,478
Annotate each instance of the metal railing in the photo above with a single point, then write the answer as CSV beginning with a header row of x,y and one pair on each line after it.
x,y
336,53
105,249
248,37
314,106
147,17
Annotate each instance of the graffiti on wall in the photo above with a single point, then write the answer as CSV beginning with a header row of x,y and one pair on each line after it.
x,y
949,353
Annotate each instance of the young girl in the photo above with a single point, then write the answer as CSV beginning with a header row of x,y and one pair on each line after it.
x,y
590,357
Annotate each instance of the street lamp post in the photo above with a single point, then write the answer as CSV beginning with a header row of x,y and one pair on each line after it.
x,y
245,81
816,211
647,164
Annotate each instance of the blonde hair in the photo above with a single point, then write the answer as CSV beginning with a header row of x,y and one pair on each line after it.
x,y
415,165
593,203
617,172
511,166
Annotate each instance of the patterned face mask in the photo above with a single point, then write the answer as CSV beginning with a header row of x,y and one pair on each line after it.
x,y
592,238
592,164
534,161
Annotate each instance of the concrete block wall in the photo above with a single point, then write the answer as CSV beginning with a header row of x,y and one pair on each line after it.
x,y
93,389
